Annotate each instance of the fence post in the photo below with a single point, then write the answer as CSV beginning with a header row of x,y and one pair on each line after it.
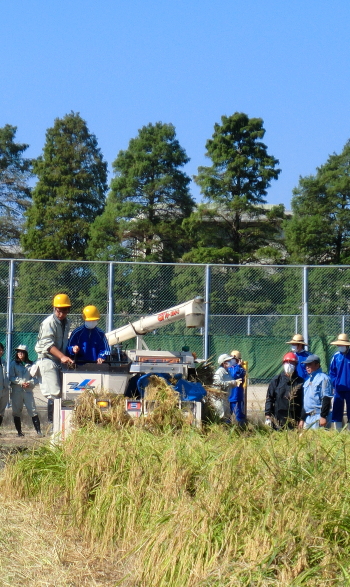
x,y
110,304
343,323
207,312
248,325
9,333
305,305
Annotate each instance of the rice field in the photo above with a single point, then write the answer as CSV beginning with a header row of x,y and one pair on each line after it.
x,y
181,507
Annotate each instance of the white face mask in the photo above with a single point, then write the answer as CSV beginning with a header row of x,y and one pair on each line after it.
x,y
90,324
288,369
293,348
342,349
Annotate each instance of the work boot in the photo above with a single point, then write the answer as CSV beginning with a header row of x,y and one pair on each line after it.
x,y
36,424
18,426
50,404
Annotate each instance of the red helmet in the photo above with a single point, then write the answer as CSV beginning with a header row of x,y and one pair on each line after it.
x,y
290,358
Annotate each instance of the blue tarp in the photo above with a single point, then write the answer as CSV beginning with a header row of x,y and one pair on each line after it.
x,y
188,391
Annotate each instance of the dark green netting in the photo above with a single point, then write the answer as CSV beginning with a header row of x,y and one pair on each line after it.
x,y
263,353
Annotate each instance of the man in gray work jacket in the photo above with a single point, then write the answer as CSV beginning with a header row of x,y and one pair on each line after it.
x,y
51,348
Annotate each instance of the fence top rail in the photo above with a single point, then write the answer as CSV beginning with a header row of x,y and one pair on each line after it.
x,y
277,315
260,265
104,262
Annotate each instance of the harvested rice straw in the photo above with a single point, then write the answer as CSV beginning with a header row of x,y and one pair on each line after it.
x,y
162,405
216,392
87,412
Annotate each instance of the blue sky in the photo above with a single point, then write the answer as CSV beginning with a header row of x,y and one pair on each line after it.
x,y
125,63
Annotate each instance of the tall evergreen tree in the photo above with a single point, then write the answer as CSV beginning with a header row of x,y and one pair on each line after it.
x,y
235,186
319,231
15,195
148,200
70,192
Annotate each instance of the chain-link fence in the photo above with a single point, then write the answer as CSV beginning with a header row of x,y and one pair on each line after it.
x,y
255,309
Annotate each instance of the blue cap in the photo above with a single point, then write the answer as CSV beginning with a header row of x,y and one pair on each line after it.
x,y
311,359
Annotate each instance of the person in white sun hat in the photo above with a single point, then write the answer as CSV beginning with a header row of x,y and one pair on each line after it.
x,y
339,372
297,346
224,381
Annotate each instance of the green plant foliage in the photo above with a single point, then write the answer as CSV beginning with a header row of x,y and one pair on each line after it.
x,y
15,194
38,283
235,224
319,231
148,200
70,192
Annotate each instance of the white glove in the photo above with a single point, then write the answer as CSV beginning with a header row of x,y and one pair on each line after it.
x,y
236,382
268,422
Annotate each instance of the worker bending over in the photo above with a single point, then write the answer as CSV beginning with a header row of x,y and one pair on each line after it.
x,y
87,343
51,349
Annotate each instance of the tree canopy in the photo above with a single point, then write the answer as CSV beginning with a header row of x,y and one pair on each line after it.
x,y
235,186
148,200
15,194
319,231
69,194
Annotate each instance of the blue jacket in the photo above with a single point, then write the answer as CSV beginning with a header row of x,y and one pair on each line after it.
x,y
92,343
236,393
316,386
301,369
339,372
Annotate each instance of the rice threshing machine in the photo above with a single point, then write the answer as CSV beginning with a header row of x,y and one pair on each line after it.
x,y
116,373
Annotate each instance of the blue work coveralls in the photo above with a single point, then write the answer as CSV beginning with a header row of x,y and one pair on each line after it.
x,y
236,397
301,369
92,342
339,372
317,386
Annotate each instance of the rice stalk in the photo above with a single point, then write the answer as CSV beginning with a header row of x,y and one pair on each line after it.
x,y
197,509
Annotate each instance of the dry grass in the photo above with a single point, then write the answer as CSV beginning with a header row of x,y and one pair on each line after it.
x,y
205,371
221,509
35,551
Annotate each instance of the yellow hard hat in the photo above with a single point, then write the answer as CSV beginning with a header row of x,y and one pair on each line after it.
x,y
236,354
61,301
91,313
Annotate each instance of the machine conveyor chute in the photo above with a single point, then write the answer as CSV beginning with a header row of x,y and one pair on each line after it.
x,y
193,312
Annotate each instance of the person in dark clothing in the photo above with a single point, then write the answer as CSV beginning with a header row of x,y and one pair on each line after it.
x,y
284,398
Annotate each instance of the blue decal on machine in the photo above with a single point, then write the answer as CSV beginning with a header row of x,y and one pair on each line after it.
x,y
86,384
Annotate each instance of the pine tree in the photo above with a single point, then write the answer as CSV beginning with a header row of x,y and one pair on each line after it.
x,y
319,231
15,194
148,200
235,225
70,192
